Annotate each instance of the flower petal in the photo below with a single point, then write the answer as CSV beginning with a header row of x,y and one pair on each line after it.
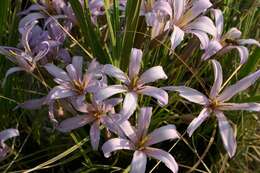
x,y
248,42
74,123
109,91
176,37
115,72
129,105
161,134
151,75
157,93
113,102
60,92
241,85
7,134
232,34
57,72
139,161
143,122
135,62
240,106
218,79
77,62
116,144
128,130
196,122
190,94
162,7
163,156
95,135
204,24
227,134
72,72
178,9
11,71
243,52
219,21
33,104
211,49
202,36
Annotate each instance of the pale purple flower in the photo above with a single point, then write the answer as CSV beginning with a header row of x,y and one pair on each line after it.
x,y
180,17
25,59
134,85
140,141
216,104
96,114
227,41
71,83
5,135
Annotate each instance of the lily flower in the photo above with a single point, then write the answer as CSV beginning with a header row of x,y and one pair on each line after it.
x,y
227,41
25,59
71,83
216,103
180,17
5,135
133,85
96,113
140,142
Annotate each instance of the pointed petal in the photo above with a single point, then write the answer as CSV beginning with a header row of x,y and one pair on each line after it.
x,y
115,72
240,106
163,156
128,130
232,34
162,7
113,102
202,36
139,161
219,21
178,9
57,72
190,94
243,52
7,134
241,85
196,122
161,134
248,42
74,123
157,93
110,122
72,72
176,37
60,92
28,19
143,122
33,104
200,6
227,134
11,71
95,135
25,35
77,62
135,63
212,48
151,75
116,144
218,79
204,24
109,91
129,105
